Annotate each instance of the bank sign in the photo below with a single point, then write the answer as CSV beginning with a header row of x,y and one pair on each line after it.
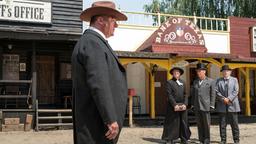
x,y
26,11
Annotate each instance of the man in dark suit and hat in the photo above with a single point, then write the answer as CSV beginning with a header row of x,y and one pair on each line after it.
x,y
227,104
175,125
203,100
99,79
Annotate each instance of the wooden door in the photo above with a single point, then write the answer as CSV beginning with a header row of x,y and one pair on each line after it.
x,y
160,93
45,67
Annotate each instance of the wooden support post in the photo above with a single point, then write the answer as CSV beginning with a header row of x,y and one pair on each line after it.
x,y
34,82
209,69
240,83
169,76
37,116
152,96
222,61
130,111
59,120
1,120
247,93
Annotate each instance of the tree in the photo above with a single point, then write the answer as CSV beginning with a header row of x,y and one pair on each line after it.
x,y
208,8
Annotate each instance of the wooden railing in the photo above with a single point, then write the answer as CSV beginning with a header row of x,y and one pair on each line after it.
x,y
17,94
52,117
143,19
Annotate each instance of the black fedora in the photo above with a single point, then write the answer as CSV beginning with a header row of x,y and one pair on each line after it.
x,y
177,68
201,66
225,67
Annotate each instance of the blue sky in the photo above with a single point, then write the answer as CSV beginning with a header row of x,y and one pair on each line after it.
x,y
125,5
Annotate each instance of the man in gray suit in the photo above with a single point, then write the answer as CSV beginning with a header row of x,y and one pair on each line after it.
x,y
99,79
203,101
227,104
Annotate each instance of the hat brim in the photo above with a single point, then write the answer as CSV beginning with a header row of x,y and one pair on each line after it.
x,y
87,14
176,68
225,69
201,69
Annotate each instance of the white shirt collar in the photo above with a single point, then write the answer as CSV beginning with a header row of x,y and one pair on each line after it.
x,y
200,82
97,31
226,78
178,82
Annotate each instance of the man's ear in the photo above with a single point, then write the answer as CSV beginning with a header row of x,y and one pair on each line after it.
x,y
100,20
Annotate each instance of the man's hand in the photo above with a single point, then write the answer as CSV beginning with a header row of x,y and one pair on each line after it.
x,y
226,101
176,108
113,130
212,108
184,107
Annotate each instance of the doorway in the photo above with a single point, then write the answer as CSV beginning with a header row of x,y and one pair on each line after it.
x,y
45,67
160,93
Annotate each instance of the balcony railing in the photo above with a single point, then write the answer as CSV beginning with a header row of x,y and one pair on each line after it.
x,y
154,20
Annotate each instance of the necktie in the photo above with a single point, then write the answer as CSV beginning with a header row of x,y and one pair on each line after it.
x,y
226,87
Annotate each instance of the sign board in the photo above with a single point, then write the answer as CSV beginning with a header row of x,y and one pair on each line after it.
x,y
179,31
22,67
26,11
253,39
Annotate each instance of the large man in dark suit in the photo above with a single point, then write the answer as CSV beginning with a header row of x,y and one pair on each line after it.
x,y
99,80
227,104
203,100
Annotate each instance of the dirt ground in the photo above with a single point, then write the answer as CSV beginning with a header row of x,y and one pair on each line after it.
x,y
136,135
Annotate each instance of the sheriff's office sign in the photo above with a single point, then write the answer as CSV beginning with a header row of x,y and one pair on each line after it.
x,y
26,11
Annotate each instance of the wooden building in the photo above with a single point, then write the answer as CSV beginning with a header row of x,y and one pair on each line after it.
x,y
36,41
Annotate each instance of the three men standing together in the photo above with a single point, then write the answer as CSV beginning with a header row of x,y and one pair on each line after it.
x,y
206,93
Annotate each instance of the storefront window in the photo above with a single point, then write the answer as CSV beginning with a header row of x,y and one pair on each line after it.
x,y
10,67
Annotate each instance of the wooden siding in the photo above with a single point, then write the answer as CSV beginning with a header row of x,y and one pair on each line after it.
x,y
65,20
240,36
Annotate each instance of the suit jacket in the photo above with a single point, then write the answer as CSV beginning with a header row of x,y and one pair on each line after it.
x,y
203,96
99,89
232,95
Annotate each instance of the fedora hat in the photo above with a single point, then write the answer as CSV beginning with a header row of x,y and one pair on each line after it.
x,y
225,67
177,68
107,8
201,66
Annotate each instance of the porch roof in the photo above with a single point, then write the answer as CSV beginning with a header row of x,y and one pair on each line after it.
x,y
37,33
151,55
